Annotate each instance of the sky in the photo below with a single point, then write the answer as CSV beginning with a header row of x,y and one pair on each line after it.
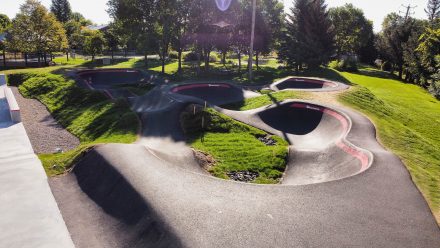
x,y
374,10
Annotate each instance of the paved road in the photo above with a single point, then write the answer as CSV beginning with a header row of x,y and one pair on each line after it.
x,y
152,194
29,214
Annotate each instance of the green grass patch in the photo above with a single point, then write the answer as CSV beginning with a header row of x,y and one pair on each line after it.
x,y
86,114
267,98
407,119
234,145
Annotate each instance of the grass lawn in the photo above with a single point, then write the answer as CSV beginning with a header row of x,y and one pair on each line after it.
x,y
267,97
235,146
407,119
88,115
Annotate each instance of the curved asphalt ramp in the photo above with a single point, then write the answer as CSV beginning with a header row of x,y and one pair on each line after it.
x,y
112,81
307,84
151,194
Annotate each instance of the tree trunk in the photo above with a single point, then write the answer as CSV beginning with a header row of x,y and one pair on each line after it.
x,y
4,57
207,54
256,60
239,61
45,59
113,55
25,60
67,55
125,52
39,59
163,61
146,60
400,71
180,60
224,58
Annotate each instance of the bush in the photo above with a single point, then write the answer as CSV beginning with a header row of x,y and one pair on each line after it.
x,y
386,66
190,57
173,55
213,58
346,64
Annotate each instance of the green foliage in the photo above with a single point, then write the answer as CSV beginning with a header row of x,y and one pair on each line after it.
x,y
5,22
352,29
235,146
345,64
86,114
268,97
36,30
309,36
62,10
93,42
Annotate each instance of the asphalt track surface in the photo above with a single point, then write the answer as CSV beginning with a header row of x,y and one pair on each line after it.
x,y
111,81
154,194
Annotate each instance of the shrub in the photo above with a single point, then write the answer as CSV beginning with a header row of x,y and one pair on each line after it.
x,y
173,55
346,64
386,66
190,57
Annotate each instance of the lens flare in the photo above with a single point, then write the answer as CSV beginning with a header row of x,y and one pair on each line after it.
x,y
223,5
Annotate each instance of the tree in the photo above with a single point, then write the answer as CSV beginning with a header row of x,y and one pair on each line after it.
x,y
93,42
433,11
352,30
34,29
137,20
5,22
112,38
429,49
78,17
309,36
61,9
396,31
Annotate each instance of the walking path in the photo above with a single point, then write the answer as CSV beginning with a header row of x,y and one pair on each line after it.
x,y
29,214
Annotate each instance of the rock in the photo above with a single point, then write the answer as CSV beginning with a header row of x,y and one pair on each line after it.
x,y
243,176
267,140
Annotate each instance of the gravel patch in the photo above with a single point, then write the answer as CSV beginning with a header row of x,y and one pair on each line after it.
x,y
45,134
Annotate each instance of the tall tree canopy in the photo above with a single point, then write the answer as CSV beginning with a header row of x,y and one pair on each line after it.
x,y
5,22
36,30
61,9
433,11
309,38
352,30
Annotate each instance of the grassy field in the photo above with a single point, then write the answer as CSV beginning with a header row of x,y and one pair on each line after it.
x,y
88,115
407,119
235,146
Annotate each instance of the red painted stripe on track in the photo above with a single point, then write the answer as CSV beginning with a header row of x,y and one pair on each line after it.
x,y
106,71
192,86
313,81
361,156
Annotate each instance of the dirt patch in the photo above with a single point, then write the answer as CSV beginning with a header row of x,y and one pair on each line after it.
x,y
206,161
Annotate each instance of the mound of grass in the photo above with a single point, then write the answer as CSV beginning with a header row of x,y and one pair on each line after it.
x,y
407,120
234,145
86,114
267,97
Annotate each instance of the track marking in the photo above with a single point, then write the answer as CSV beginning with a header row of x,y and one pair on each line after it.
x,y
192,86
361,156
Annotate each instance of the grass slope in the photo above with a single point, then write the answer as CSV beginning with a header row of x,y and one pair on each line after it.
x,y
88,115
407,120
235,146
267,98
